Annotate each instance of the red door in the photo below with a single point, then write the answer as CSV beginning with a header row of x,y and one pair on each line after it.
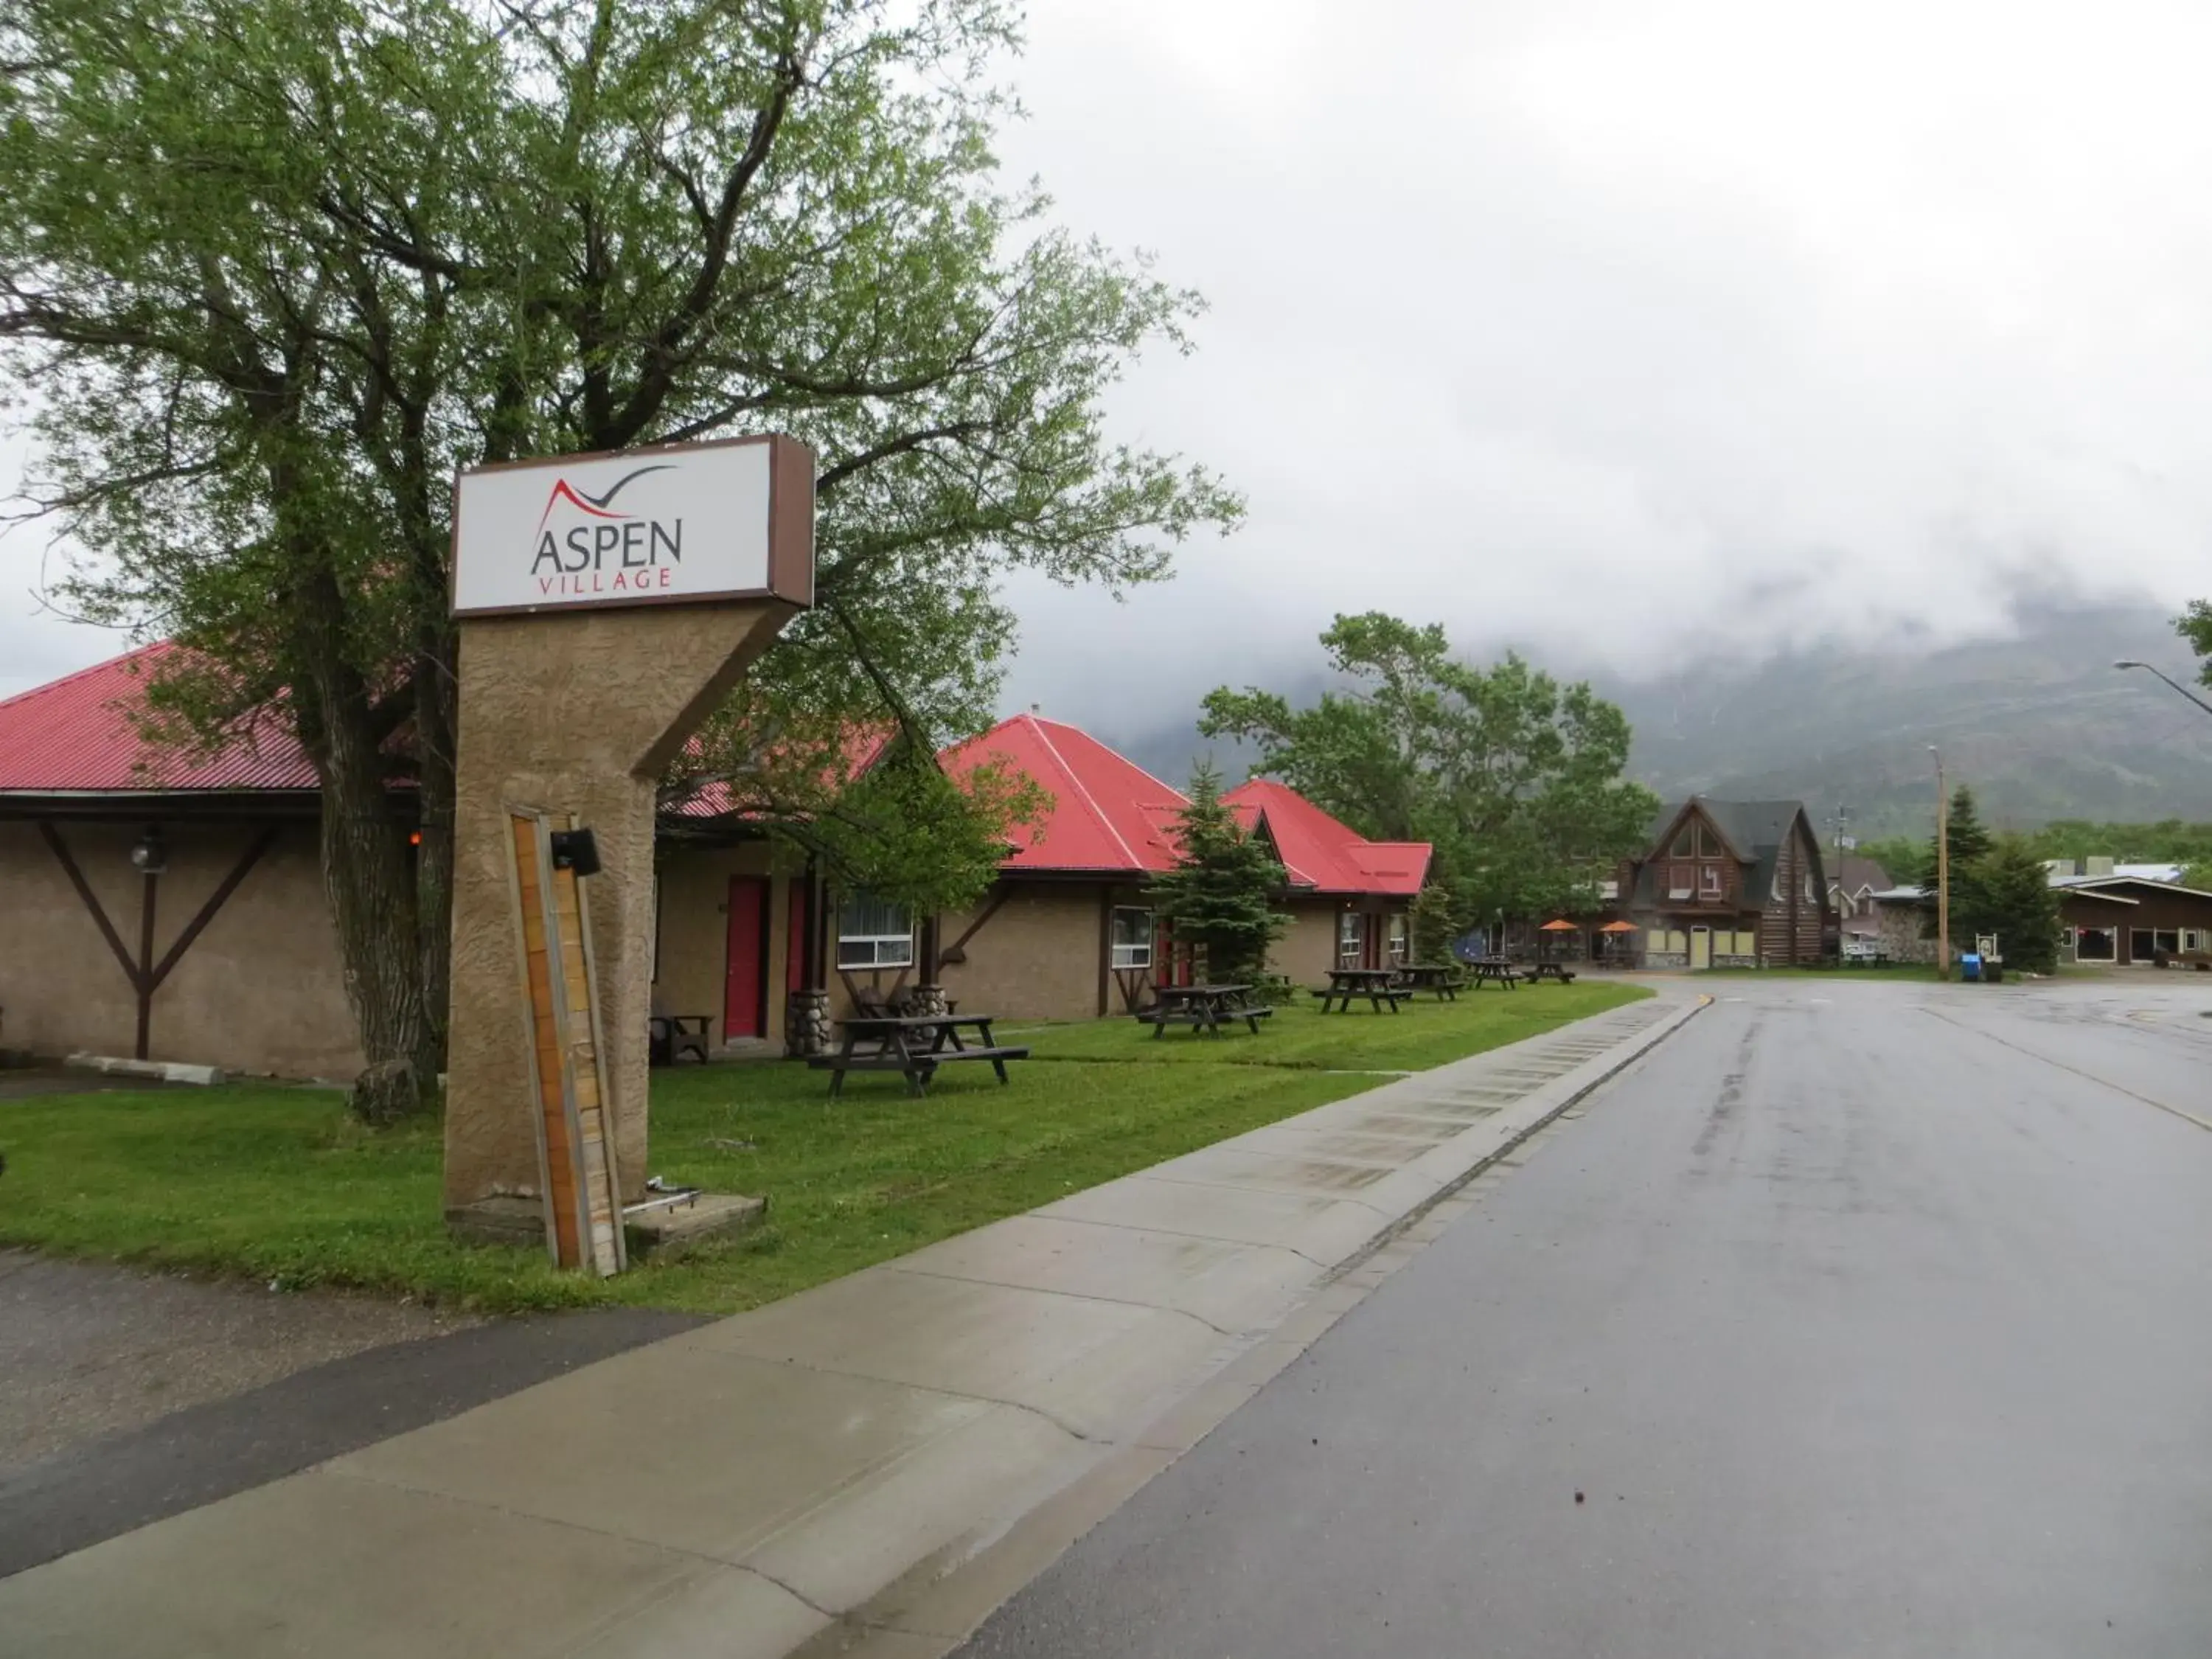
x,y
745,1002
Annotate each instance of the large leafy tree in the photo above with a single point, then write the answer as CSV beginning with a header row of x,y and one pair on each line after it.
x,y
1220,897
2195,625
1515,778
276,269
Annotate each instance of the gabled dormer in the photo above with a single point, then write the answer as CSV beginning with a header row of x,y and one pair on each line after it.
x,y
1694,863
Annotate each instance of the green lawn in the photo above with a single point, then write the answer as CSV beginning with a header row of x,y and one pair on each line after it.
x,y
1424,1033
277,1183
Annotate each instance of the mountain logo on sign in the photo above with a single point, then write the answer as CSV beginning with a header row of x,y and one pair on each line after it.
x,y
612,550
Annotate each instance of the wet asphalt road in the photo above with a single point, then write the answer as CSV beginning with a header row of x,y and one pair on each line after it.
x,y
1865,1320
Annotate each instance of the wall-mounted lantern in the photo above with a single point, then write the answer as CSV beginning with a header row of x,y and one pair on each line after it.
x,y
151,855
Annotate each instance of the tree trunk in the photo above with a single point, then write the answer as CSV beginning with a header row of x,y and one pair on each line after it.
x,y
372,906
366,855
434,704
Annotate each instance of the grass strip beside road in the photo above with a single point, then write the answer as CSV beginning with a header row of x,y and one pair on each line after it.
x,y
1422,1034
278,1184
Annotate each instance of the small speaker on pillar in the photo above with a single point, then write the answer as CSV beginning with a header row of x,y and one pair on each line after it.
x,y
575,850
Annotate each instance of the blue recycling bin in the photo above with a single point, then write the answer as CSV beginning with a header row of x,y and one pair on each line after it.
x,y
1970,965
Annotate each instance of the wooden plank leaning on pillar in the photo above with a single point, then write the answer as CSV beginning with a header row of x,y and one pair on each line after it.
x,y
580,1183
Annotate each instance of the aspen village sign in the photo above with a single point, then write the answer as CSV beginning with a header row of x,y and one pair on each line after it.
x,y
655,578
685,523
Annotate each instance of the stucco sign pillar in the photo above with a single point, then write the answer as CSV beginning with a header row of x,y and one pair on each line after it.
x,y
606,605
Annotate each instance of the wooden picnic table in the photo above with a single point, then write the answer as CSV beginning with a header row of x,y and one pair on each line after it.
x,y
1492,970
1552,970
1443,978
1203,1008
1373,983
669,1036
913,1044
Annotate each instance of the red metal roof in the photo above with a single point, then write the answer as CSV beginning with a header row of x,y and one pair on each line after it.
x,y
714,797
1108,813
75,735
1324,853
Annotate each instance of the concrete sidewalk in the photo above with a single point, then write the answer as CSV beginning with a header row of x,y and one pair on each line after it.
x,y
870,1466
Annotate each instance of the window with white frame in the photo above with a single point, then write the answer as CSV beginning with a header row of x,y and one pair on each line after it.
x,y
1709,882
1396,937
1132,937
873,933
1350,938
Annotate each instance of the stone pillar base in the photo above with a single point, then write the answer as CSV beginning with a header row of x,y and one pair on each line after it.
x,y
667,1231
677,1228
504,1220
806,1024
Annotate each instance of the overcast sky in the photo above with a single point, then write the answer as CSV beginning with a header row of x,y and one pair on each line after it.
x,y
1652,332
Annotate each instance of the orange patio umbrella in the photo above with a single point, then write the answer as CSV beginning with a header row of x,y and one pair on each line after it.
x,y
1559,927
1618,927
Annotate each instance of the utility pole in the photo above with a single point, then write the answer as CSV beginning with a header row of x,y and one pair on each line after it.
x,y
1942,870
1842,819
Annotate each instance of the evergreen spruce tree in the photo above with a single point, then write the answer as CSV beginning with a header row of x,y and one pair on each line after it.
x,y
1970,841
1220,897
1436,921
2007,893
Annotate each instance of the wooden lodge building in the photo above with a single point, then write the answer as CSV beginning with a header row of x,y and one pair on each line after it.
x,y
169,906
1728,883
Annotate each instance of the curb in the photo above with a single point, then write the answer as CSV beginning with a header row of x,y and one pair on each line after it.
x,y
158,1071
1582,1089
937,1604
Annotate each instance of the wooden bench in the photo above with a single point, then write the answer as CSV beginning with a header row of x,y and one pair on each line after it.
x,y
1551,971
914,1045
1444,980
1492,970
1200,1019
1374,984
1203,1008
671,1036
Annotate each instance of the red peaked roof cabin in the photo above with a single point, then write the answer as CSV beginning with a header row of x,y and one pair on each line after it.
x,y
109,841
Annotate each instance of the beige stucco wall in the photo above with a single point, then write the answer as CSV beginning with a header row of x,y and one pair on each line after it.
x,y
1037,958
695,931
1307,949
572,712
260,991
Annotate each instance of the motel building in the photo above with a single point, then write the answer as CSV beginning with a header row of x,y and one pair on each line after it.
x,y
2128,916
168,905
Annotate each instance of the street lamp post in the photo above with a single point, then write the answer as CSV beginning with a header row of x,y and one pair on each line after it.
x,y
1942,870
2130,662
